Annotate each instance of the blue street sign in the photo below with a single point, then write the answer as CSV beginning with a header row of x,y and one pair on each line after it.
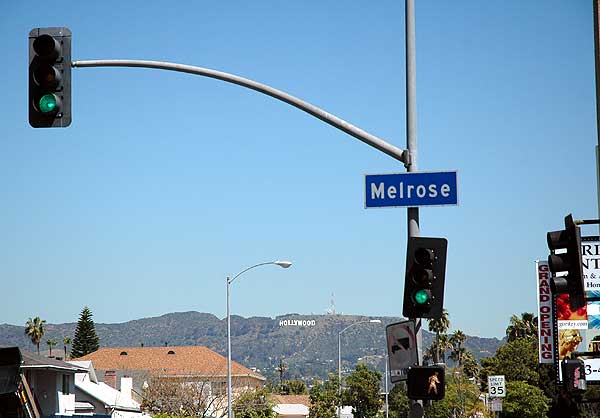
x,y
410,189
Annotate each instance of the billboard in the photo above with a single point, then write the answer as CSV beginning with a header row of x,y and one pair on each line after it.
x,y
579,330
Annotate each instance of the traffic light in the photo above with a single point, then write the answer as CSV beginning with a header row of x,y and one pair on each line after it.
x,y
569,261
426,383
573,374
50,77
425,275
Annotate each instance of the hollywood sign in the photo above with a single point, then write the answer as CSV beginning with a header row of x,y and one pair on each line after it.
x,y
297,322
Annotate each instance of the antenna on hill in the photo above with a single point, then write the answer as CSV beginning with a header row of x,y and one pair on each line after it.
x,y
331,310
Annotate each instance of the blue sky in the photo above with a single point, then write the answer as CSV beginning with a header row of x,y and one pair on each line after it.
x,y
165,183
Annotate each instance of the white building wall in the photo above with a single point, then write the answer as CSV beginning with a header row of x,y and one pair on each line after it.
x,y
66,399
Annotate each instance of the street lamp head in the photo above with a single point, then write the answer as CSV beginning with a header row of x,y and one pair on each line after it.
x,y
375,321
283,264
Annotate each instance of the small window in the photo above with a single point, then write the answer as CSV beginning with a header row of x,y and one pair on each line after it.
x,y
66,383
171,352
123,353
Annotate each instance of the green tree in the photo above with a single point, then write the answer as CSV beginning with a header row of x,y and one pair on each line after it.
x,y
517,360
295,387
525,326
362,392
66,342
86,340
524,401
439,326
254,404
398,402
461,400
35,329
324,398
51,343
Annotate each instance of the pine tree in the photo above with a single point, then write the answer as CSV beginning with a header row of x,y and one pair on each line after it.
x,y
86,340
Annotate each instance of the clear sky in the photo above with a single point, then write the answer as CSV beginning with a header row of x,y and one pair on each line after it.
x,y
165,183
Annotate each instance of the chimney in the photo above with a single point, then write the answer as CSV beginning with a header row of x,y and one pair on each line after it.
x,y
126,386
110,378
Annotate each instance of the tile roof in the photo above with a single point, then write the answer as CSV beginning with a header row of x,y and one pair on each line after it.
x,y
183,361
292,399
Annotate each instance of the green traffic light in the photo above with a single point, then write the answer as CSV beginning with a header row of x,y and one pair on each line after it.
x,y
47,103
421,297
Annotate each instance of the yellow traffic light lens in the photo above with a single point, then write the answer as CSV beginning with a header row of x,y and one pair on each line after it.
x,y
47,103
46,76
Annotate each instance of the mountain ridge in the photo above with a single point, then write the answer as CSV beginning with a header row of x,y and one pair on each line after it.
x,y
308,347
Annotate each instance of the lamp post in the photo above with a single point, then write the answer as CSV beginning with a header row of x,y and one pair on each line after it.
x,y
282,264
387,392
373,321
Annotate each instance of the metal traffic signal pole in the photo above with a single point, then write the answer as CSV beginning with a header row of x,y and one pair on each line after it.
x,y
416,407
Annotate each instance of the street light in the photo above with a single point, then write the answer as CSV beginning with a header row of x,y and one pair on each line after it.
x,y
282,264
373,321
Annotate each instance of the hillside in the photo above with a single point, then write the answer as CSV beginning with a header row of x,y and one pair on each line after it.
x,y
260,342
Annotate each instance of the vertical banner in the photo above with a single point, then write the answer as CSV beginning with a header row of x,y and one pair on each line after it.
x,y
545,322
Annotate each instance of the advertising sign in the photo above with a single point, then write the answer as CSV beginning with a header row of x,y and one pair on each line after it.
x,y
579,330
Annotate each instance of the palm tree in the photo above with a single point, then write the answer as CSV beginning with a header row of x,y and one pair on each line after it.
x,y
281,369
439,326
66,342
523,327
470,365
35,329
437,350
457,339
51,343
444,345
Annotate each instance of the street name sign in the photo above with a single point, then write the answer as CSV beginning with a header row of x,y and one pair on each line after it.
x,y
496,386
411,189
402,349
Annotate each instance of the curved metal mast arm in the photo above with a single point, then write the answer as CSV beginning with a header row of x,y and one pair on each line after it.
x,y
372,140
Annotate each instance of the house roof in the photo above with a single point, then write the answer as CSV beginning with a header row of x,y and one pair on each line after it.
x,y
171,361
32,361
105,394
292,399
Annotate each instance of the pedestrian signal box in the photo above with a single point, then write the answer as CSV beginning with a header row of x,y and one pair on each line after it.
x,y
426,383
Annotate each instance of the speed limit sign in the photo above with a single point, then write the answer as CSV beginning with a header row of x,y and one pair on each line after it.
x,y
496,386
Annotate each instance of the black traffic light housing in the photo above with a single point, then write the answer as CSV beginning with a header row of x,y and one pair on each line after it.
x,y
426,383
425,276
573,375
568,239
49,77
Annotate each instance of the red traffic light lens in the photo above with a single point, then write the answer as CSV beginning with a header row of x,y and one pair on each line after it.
x,y
424,256
46,47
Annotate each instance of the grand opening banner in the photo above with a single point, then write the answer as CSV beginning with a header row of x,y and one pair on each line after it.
x,y
573,330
